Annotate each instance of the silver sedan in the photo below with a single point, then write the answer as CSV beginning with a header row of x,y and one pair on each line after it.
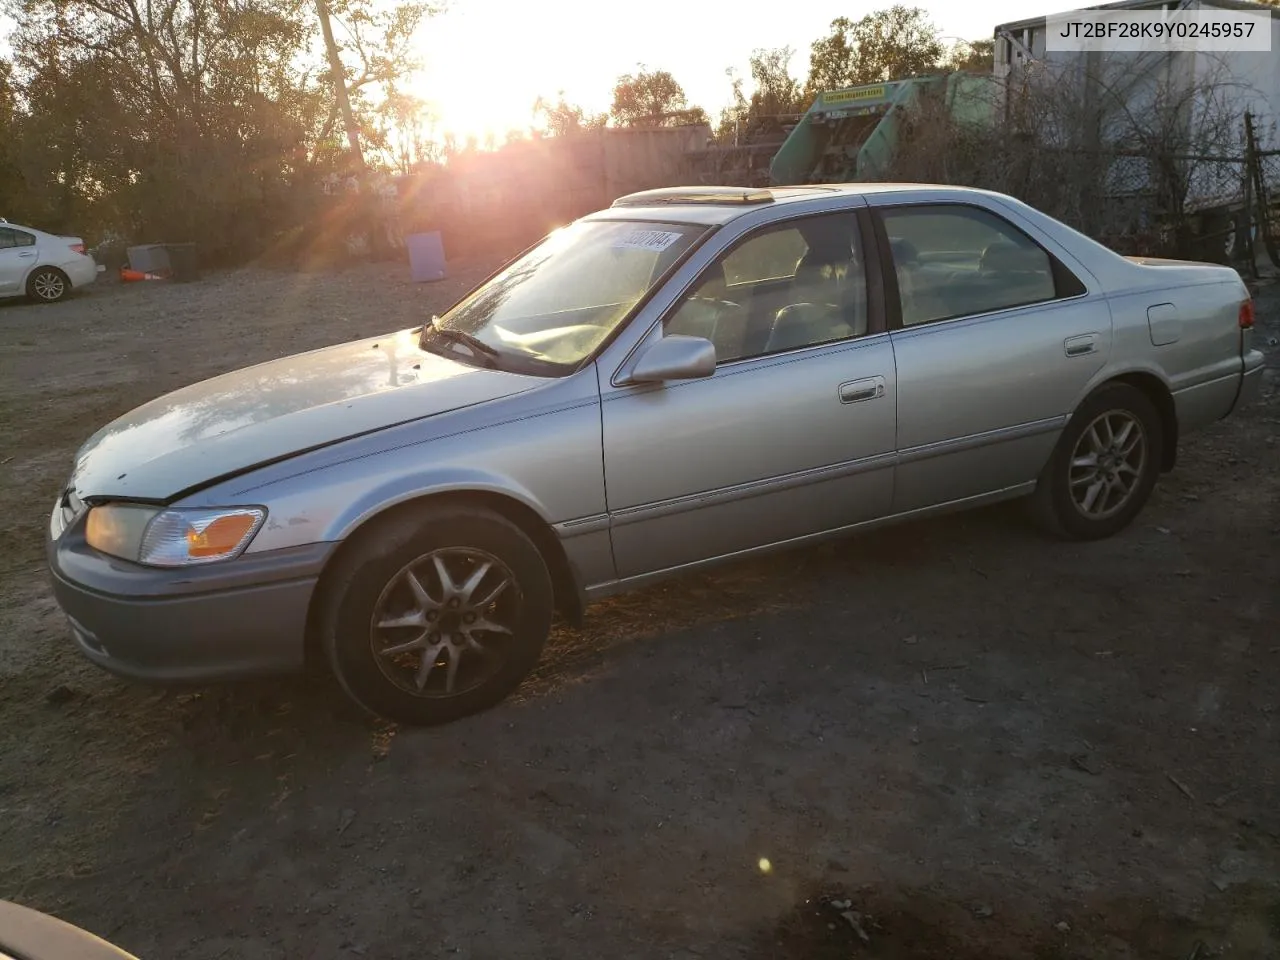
x,y
690,376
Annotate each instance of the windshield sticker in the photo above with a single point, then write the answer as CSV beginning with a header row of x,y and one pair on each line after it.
x,y
647,240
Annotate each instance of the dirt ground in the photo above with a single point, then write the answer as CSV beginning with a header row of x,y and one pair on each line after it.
x,y
951,739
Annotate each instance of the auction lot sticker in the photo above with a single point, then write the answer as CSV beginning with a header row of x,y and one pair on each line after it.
x,y
1158,31
647,239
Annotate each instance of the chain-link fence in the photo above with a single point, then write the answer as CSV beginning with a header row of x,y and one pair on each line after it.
x,y
1264,183
1169,204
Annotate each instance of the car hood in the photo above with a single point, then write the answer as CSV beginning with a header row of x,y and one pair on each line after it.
x,y
242,419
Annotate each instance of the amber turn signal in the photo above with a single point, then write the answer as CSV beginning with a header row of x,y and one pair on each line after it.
x,y
220,537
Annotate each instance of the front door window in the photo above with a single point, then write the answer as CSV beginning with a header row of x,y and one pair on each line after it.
x,y
791,286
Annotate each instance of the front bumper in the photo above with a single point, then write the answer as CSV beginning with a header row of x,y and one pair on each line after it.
x,y
1251,383
246,617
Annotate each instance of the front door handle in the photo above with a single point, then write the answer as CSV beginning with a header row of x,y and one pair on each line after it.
x,y
856,391
1079,346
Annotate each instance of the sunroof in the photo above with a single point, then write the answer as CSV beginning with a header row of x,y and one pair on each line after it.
x,y
665,195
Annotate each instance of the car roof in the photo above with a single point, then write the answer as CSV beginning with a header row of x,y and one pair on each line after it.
x,y
712,206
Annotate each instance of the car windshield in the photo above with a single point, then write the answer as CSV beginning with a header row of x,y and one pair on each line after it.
x,y
550,309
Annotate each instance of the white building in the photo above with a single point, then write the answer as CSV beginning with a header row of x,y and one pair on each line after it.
x,y
1250,81
1166,129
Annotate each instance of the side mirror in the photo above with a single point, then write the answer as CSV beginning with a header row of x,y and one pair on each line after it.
x,y
675,357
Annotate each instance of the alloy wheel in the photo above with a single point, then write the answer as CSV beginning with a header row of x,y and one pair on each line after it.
x,y
49,286
1107,464
439,626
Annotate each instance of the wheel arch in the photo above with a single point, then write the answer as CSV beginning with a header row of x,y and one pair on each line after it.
x,y
1157,391
569,598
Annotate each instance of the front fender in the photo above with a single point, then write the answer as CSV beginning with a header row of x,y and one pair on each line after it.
x,y
431,482
549,462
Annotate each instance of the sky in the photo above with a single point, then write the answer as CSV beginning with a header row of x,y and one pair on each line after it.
x,y
486,61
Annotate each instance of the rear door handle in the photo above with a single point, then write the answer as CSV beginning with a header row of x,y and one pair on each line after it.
x,y
1085,343
25,256
856,391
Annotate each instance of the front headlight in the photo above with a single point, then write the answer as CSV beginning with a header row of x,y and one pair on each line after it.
x,y
173,537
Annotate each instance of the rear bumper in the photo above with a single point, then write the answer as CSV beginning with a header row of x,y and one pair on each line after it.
x,y
247,617
81,271
1251,382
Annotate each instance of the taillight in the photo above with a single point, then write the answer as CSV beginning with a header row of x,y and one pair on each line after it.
x,y
78,248
1246,315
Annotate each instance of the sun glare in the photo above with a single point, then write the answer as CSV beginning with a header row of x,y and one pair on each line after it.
x,y
483,82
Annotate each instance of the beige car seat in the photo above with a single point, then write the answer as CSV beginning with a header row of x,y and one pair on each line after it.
x,y
828,302
708,313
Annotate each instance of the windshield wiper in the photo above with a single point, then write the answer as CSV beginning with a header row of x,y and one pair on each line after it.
x,y
477,346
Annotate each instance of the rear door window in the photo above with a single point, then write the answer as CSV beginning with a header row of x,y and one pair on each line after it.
x,y
953,260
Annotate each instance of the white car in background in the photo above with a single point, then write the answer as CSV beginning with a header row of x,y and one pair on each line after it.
x,y
40,265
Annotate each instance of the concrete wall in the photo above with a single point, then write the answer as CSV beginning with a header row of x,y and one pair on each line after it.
x,y
643,159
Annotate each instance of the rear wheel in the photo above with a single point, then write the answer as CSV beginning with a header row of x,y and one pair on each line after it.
x,y
48,285
437,614
1104,467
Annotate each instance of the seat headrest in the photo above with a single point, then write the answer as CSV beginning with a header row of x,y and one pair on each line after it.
x,y
714,283
904,251
816,264
1005,256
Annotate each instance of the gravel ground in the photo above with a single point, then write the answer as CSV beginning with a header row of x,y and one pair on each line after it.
x,y
952,739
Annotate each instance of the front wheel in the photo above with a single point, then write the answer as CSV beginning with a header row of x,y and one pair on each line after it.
x,y
436,614
1104,467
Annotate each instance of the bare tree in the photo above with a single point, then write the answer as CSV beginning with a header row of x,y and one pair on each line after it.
x,y
1143,152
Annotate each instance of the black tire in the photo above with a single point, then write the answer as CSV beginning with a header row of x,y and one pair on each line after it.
x,y
1054,505
369,578
47,285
